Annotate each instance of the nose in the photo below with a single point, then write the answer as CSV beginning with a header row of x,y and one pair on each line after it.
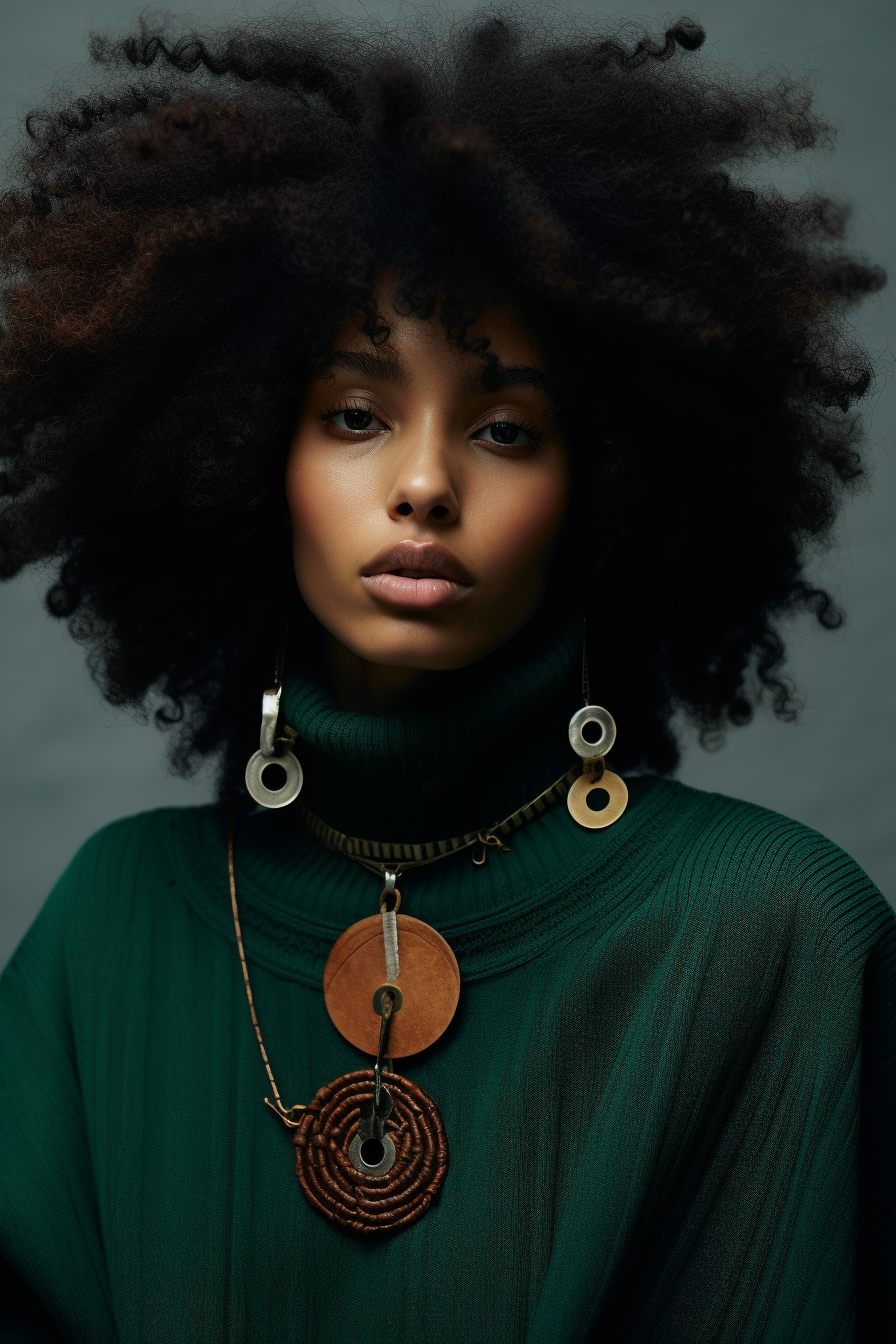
x,y
423,487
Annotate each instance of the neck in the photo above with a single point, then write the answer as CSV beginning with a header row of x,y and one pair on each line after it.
x,y
464,749
361,687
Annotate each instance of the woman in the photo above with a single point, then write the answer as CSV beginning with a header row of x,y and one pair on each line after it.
x,y
422,391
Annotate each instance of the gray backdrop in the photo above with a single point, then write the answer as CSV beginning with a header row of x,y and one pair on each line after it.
x,y
69,764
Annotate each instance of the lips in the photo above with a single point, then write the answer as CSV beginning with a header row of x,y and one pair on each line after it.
x,y
417,574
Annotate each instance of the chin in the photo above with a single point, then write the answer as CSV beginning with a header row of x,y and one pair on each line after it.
x,y
423,645
438,656
429,647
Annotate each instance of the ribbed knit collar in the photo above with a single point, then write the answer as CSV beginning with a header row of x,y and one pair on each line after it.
x,y
494,736
471,747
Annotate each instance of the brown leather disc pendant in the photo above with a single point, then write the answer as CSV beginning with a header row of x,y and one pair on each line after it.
x,y
393,1183
429,982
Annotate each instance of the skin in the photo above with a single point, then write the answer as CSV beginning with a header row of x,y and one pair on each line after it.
x,y
398,444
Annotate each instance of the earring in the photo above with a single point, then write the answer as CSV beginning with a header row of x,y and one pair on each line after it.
x,y
594,773
274,778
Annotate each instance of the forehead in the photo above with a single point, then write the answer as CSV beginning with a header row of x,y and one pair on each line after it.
x,y
499,348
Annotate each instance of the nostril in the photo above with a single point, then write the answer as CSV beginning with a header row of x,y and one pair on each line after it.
x,y
439,511
405,509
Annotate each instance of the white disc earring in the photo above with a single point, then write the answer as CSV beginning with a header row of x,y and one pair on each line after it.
x,y
274,776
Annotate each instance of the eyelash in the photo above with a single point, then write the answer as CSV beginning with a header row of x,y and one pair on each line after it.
x,y
329,413
527,426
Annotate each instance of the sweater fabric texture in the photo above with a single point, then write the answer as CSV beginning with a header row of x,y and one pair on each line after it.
x,y
669,1090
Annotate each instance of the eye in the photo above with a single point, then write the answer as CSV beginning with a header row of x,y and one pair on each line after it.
x,y
355,421
507,434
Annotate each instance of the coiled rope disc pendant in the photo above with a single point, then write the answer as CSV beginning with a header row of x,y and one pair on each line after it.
x,y
405,1166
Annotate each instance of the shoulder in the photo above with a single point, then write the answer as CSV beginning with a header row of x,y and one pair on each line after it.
x,y
123,868
753,863
120,855
132,839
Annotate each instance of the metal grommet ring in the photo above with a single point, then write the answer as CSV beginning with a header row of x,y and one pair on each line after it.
x,y
372,1156
604,720
378,998
290,788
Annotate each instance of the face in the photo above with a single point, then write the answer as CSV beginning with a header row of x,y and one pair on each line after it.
x,y
424,502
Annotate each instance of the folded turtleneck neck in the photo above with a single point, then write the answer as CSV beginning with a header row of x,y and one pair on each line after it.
x,y
468,749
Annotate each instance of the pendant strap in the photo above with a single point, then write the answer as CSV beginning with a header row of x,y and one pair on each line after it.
x,y
390,900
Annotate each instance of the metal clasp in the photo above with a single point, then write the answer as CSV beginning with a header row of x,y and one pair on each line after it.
x,y
291,1116
488,841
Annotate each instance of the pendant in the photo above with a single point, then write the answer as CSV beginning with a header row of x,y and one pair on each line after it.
x,y
371,1152
369,1167
423,970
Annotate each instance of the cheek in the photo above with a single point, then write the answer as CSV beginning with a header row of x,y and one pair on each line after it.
x,y
306,496
318,541
326,500
523,520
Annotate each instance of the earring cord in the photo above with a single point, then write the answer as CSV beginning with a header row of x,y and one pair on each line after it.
x,y
586,687
280,664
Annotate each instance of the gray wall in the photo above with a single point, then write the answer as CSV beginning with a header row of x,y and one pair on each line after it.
x,y
69,764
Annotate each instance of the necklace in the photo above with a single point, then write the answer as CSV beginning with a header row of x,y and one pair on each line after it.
x,y
380,857
370,1149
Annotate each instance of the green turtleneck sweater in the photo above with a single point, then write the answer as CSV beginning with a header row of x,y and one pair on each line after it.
x,y
668,1090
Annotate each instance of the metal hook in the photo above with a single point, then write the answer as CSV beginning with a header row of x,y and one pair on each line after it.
x,y
390,896
388,1002
488,842
286,1115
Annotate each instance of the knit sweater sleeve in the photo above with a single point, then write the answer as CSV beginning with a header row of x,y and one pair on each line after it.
x,y
765,1122
877,1147
51,1237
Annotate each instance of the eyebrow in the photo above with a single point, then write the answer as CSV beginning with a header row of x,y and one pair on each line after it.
x,y
382,368
495,377
492,376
